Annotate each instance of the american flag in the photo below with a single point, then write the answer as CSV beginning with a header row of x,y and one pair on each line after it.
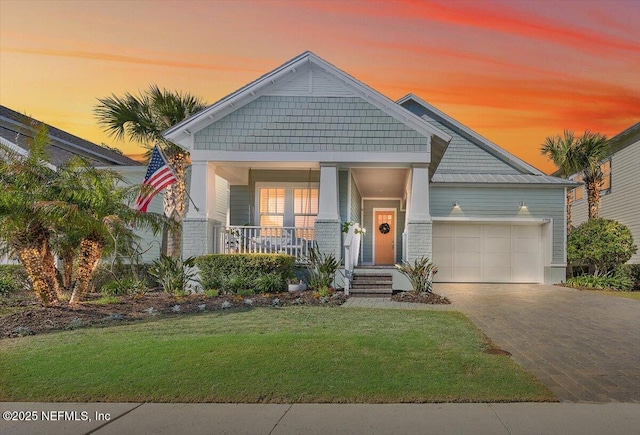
x,y
159,175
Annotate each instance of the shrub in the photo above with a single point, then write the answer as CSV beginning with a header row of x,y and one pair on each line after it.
x,y
235,284
420,274
212,293
216,269
633,271
13,278
322,268
105,300
601,244
127,286
120,273
600,282
269,283
174,276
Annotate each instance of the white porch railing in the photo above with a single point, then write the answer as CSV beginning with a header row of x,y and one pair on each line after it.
x,y
270,240
351,253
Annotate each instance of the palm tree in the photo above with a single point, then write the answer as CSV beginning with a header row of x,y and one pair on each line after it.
x,y
143,118
593,147
25,184
563,152
95,210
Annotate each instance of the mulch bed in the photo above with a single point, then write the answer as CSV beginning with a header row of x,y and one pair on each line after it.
x,y
35,319
420,298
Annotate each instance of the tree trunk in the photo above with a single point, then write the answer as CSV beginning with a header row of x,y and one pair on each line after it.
x,y
569,272
90,253
593,198
35,255
67,269
175,205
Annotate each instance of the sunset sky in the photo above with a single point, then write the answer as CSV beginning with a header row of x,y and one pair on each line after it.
x,y
514,71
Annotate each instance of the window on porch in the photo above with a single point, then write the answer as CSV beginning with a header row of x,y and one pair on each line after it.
x,y
305,210
289,206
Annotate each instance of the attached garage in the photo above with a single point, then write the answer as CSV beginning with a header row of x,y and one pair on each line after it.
x,y
488,252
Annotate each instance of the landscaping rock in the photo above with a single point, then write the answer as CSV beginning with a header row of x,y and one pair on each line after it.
x,y
29,318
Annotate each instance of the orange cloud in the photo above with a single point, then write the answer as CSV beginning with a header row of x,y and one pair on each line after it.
x,y
500,18
125,59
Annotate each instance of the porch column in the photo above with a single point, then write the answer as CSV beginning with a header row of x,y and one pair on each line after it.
x,y
197,227
419,225
328,231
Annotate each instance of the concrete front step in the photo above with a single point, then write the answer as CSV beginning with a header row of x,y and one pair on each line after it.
x,y
371,285
370,292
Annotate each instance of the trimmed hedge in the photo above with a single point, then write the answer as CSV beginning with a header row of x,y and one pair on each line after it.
x,y
217,269
13,278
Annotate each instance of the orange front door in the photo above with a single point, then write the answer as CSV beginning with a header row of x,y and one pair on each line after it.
x,y
385,230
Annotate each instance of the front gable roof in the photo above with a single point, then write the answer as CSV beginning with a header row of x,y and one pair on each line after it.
x,y
270,83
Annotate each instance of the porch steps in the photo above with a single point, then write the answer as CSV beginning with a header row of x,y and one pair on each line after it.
x,y
372,285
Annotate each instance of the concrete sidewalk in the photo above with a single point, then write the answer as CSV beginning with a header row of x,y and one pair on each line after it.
x,y
446,418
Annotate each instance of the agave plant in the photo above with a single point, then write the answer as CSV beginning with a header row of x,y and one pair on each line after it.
x,y
420,274
174,276
322,268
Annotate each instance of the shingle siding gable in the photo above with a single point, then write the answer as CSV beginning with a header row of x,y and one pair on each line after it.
x,y
462,156
303,123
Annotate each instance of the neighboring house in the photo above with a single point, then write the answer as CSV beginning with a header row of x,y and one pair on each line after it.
x,y
17,132
286,159
620,189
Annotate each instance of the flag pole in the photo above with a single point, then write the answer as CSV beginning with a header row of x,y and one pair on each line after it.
x,y
186,191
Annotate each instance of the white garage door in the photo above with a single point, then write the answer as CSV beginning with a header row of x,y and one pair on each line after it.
x,y
487,252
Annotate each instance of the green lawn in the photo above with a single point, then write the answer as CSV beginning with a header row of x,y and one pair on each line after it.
x,y
629,295
302,354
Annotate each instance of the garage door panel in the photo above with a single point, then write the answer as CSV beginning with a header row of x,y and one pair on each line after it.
x,y
445,274
496,231
443,245
468,274
468,230
467,244
497,274
498,259
467,259
497,244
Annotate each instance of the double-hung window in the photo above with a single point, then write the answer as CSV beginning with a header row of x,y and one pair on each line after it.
x,y
271,207
288,205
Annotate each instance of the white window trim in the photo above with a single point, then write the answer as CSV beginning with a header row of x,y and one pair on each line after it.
x,y
289,215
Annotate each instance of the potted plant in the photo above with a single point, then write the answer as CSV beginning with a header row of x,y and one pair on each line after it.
x,y
296,285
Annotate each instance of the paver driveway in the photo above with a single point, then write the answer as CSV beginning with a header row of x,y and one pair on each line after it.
x,y
584,346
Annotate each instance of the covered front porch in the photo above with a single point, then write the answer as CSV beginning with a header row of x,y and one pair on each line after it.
x,y
254,207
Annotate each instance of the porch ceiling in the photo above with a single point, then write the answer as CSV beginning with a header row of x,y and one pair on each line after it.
x,y
381,182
